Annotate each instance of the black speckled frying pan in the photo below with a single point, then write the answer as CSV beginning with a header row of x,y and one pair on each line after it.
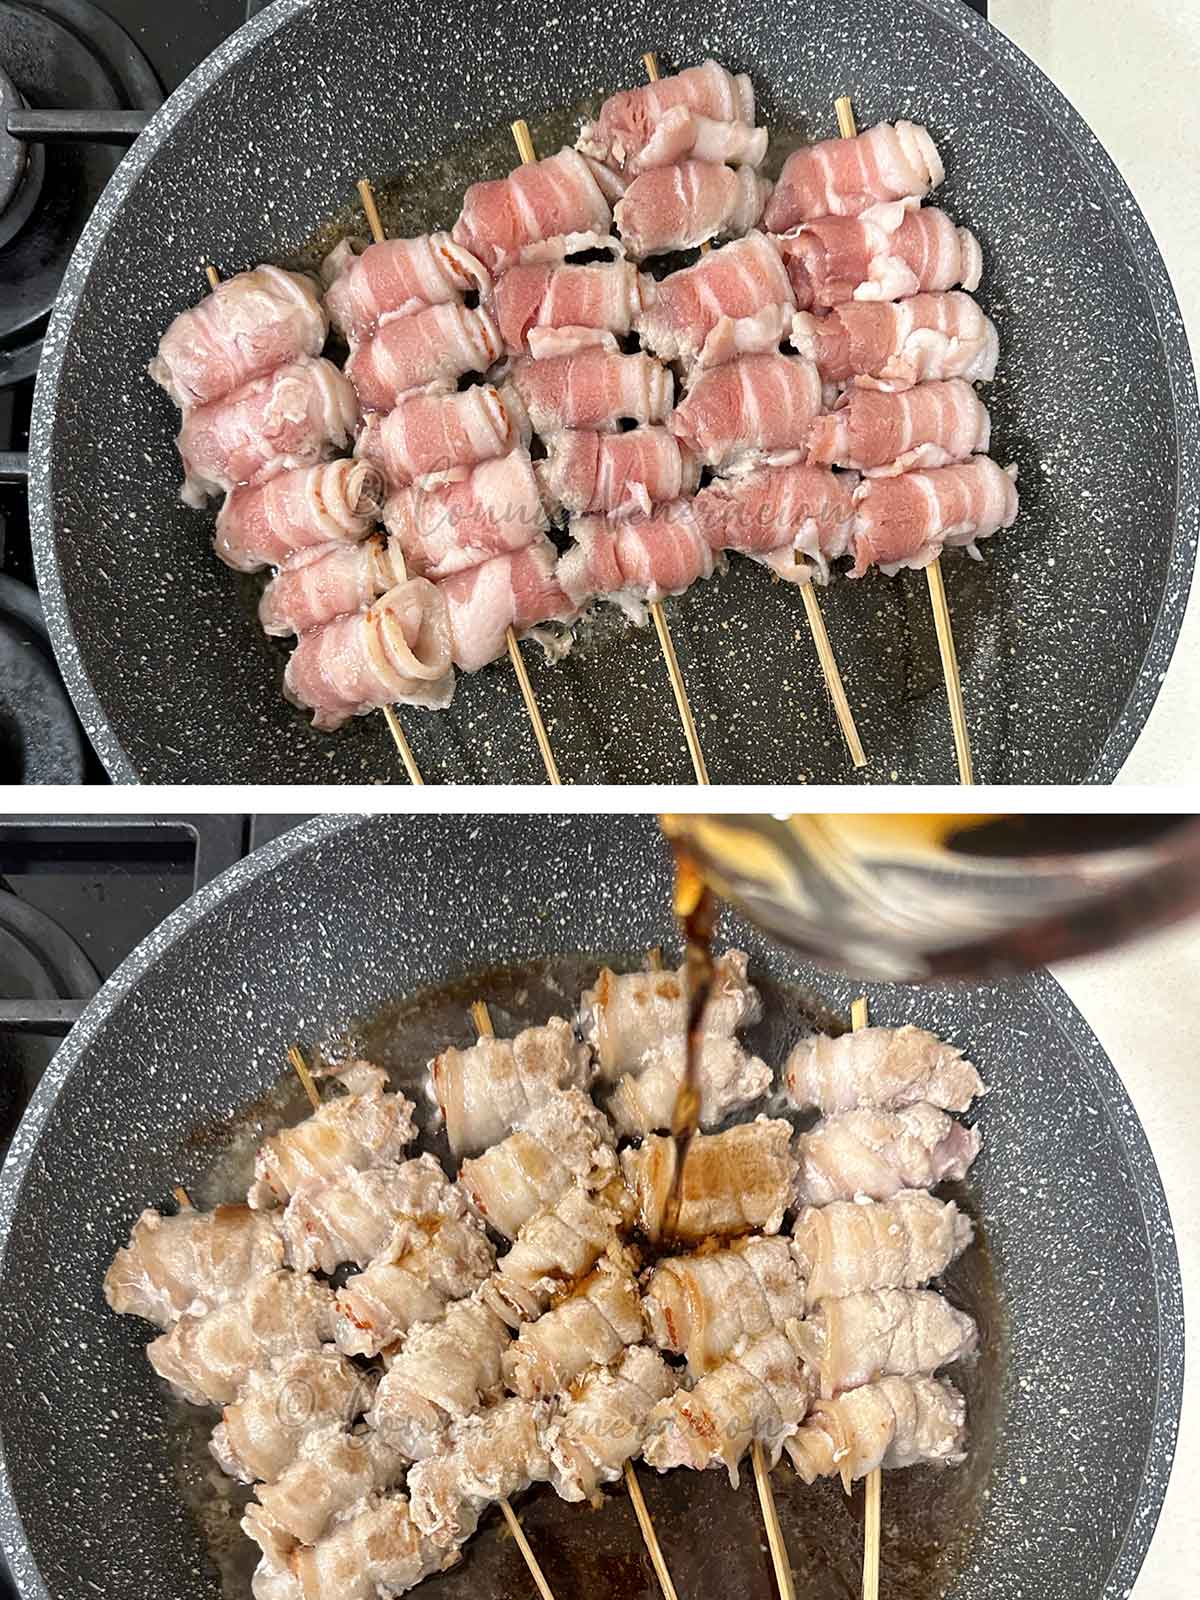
x,y
1063,632
1074,1403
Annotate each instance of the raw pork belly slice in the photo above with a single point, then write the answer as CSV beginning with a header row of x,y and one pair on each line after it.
x,y
878,1153
353,1218
557,1247
753,406
398,651
245,328
490,1456
675,208
736,300
887,253
336,502
626,1015
446,1370
896,345
542,211
296,415
774,513
907,521
845,177
595,387
619,474
377,1552
730,1080
884,1333
495,509
659,122
191,1262
601,1422
590,1327
854,1245
931,425
396,277
761,1393
882,1067
536,306
701,1306
332,1470
898,1422
325,582
631,561
436,345
431,435
366,1127
512,591
483,1091
281,1405
735,1182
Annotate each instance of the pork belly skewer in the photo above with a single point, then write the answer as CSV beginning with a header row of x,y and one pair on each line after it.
x,y
524,143
375,223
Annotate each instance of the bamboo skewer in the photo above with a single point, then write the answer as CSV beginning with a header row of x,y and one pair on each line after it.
x,y
399,737
812,606
524,143
375,223
848,128
859,1018
770,1516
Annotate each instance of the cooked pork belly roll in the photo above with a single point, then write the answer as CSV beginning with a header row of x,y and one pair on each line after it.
x,y
542,211
776,513
556,1248
494,509
432,434
601,1422
887,253
617,474
760,1393
733,301
881,1067
367,1127
702,1305
374,1554
677,207
739,1181
885,434
482,1092
907,521
631,561
249,325
894,345
295,416
642,127
446,1370
332,1470
334,502
595,387
208,1359
626,1014
902,1333
436,345
850,1246
878,1153
398,651
281,1405
516,591
898,1422
536,306
730,1080
490,1456
845,177
590,1327
394,278
325,582
754,406
563,1139
192,1262
352,1218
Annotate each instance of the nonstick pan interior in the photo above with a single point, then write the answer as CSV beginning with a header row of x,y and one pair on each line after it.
x,y
317,935
1063,631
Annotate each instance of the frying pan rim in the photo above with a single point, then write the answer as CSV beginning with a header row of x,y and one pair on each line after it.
x,y
1128,723
1049,994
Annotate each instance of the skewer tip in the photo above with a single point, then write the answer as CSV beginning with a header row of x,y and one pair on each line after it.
x,y
300,1068
213,276
844,106
523,139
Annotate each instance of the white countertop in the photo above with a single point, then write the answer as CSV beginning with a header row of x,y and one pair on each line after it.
x,y
1132,69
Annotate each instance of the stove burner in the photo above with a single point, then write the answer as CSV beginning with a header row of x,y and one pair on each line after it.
x,y
55,54
40,738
